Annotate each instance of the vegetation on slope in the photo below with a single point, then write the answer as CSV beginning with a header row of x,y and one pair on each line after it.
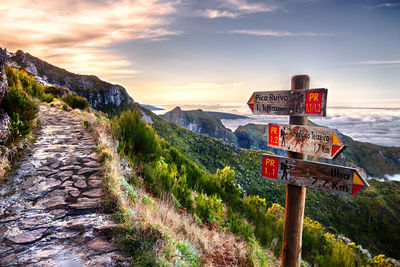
x,y
156,229
214,200
22,105
356,217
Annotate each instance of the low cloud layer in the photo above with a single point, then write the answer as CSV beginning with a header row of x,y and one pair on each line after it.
x,y
277,33
236,8
380,126
74,34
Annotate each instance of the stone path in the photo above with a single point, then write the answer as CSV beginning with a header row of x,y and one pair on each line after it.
x,y
50,208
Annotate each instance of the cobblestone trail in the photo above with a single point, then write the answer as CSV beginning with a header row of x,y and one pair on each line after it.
x,y
49,209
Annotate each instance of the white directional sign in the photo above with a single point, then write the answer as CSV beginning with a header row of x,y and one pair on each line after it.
x,y
334,179
317,141
311,102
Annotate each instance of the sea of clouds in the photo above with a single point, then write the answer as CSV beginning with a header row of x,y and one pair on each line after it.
x,y
380,126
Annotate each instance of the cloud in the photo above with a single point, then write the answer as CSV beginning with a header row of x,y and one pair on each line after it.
x,y
237,8
380,62
215,13
383,5
75,34
277,33
395,177
202,86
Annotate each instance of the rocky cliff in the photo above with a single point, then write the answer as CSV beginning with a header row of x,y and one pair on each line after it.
x,y
200,122
3,78
4,118
100,94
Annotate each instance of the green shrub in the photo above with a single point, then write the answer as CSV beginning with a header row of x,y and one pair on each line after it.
x,y
53,90
209,208
85,124
20,79
64,107
48,98
187,254
75,101
135,136
18,102
17,128
238,225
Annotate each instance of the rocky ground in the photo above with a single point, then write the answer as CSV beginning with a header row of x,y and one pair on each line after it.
x,y
50,208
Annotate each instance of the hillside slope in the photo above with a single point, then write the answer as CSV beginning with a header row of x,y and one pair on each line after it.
x,y
373,211
101,95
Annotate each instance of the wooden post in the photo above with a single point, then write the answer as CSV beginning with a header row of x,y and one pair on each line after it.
x,y
295,196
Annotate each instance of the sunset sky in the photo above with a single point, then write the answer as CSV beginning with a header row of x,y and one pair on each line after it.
x,y
187,51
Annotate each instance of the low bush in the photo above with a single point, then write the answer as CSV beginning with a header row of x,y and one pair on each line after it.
x,y
75,101
48,98
18,102
53,90
135,136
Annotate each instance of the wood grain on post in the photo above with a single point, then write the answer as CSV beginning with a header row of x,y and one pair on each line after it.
x,y
295,196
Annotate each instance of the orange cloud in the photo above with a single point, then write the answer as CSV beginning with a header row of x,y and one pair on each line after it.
x,y
74,34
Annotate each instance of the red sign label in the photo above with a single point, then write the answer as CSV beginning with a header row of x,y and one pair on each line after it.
x,y
314,102
273,138
270,167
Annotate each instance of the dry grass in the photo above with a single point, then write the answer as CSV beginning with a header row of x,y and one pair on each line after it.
x,y
144,212
215,247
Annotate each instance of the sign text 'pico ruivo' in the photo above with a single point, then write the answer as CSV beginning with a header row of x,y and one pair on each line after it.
x,y
310,102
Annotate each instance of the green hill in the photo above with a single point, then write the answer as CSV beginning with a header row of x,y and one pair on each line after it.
x,y
371,218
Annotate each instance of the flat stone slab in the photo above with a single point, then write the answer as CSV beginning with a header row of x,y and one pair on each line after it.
x,y
94,193
80,184
70,167
55,202
86,203
74,193
28,237
78,177
100,245
92,164
87,171
64,175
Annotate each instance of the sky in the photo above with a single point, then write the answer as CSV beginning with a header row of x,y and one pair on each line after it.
x,y
217,52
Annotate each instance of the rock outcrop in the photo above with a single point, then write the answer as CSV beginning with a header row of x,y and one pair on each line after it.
x,y
3,78
200,122
4,118
100,94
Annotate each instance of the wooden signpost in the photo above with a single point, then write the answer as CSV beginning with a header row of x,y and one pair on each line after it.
x,y
316,141
334,179
289,102
299,140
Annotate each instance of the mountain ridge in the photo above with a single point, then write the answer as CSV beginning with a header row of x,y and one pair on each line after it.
x,y
101,95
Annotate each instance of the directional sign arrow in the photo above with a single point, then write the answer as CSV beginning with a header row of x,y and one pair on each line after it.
x,y
289,102
334,179
316,141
